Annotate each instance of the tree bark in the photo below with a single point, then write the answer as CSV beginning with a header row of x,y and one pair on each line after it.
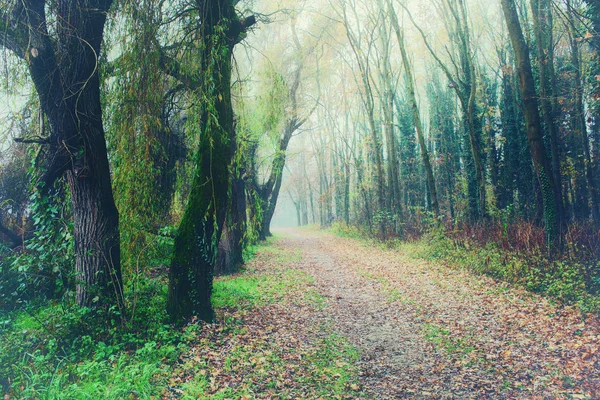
x,y
550,194
368,102
579,123
542,23
269,192
196,242
410,86
466,90
231,245
63,65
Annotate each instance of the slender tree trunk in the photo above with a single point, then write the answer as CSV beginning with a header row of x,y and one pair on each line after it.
x,y
465,87
395,202
368,102
347,193
550,193
542,22
580,126
475,145
310,191
593,13
298,214
304,208
415,112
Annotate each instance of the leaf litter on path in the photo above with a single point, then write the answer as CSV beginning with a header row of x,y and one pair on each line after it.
x,y
362,321
427,330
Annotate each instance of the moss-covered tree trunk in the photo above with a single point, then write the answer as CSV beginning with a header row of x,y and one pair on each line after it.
x,y
542,23
196,242
230,253
550,195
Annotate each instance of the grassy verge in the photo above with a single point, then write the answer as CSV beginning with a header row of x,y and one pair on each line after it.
x,y
59,352
560,280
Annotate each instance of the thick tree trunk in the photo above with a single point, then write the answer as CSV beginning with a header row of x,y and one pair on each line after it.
x,y
196,242
238,222
97,240
550,194
231,245
63,64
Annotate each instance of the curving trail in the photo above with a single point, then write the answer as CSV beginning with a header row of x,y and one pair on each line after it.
x,y
429,331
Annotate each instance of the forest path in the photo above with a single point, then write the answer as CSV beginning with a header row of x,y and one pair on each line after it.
x,y
425,330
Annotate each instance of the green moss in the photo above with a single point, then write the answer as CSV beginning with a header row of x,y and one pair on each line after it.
x,y
195,249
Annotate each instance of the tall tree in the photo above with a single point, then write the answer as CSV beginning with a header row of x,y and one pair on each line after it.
x,y
60,41
543,25
464,81
386,89
196,242
410,87
594,166
577,120
355,38
269,191
550,193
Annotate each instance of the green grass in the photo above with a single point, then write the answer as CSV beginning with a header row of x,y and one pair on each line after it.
x,y
250,290
332,367
315,299
56,351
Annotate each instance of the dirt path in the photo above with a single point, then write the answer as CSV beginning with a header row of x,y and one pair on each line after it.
x,y
428,331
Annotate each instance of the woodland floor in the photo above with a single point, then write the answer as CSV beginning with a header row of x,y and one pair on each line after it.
x,y
395,327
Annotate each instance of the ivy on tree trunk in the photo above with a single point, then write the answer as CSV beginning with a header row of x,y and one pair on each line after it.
x,y
63,65
196,242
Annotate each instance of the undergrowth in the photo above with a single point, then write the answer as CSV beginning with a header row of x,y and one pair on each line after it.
x,y
56,351
515,254
53,350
